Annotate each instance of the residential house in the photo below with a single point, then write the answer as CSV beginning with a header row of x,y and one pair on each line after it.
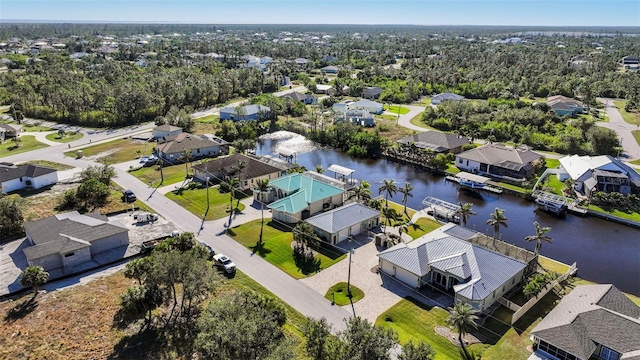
x,y
247,112
27,176
325,89
372,92
10,130
330,69
599,173
299,196
71,239
591,322
166,131
365,104
342,105
445,259
437,99
436,141
298,96
498,160
563,105
356,117
217,169
329,59
338,224
301,61
197,146
630,62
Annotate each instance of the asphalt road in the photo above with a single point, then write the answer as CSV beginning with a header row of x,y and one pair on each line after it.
x,y
405,120
622,128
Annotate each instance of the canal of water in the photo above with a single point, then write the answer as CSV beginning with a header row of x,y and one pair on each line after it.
x,y
605,252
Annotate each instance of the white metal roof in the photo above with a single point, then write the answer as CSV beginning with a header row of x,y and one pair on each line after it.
x,y
341,170
472,177
285,151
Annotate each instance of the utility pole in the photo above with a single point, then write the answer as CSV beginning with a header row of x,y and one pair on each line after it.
x,y
349,272
207,194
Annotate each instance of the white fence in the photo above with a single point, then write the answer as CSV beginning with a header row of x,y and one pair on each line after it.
x,y
529,304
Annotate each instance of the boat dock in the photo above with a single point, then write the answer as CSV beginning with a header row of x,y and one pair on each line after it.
x,y
442,209
473,182
557,204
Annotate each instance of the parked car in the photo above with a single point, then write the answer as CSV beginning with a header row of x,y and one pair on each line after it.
x,y
129,196
212,253
146,217
224,262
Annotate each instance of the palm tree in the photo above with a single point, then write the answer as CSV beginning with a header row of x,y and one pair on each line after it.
x,y
359,192
263,187
465,211
239,167
389,188
497,219
34,277
462,317
389,214
186,155
539,237
406,194
319,169
233,184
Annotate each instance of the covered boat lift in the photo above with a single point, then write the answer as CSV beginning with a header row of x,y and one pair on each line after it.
x,y
442,209
345,174
287,154
555,203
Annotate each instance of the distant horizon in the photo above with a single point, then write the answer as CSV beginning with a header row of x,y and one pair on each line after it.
x,y
509,13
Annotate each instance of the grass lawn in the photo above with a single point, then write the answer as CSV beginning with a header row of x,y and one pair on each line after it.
x,y
66,138
399,209
422,226
51,164
555,184
115,202
33,128
209,119
631,118
552,163
510,186
426,101
276,247
389,129
195,200
452,169
417,121
635,162
341,294
621,214
636,135
396,109
117,151
414,321
28,143
553,265
172,174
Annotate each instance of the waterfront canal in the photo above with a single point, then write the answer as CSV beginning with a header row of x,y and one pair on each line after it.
x,y
606,252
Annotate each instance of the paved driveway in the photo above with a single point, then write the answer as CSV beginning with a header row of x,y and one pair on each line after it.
x,y
405,120
622,128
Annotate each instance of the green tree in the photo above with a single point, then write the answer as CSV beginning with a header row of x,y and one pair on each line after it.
x,y
304,235
239,169
406,194
360,193
11,216
462,317
389,215
232,184
317,333
34,277
465,210
603,141
389,188
103,173
17,142
319,169
539,237
263,188
92,194
364,341
138,269
417,351
186,157
496,220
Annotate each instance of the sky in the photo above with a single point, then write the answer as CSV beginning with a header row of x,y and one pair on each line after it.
x,y
415,12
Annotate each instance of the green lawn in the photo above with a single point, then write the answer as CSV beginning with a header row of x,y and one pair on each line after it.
x,y
172,174
51,164
635,162
399,209
452,169
396,109
68,137
209,119
28,143
552,163
195,200
510,186
422,226
340,294
276,246
631,118
426,101
117,151
414,321
555,184
417,121
33,128
552,265
621,214
636,135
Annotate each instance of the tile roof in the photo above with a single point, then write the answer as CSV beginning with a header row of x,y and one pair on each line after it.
x,y
482,271
185,141
67,232
494,154
302,190
343,217
254,167
27,170
435,140
591,315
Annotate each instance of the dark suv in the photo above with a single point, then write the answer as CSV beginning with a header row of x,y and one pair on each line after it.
x,y
129,196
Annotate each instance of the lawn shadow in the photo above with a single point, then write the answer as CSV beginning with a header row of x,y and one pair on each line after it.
x,y
260,249
21,310
147,344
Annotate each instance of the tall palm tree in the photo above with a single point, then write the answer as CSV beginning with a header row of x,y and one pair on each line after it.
x,y
233,184
406,194
34,277
539,237
186,156
389,188
239,167
359,192
389,214
263,187
497,219
465,211
462,317
319,169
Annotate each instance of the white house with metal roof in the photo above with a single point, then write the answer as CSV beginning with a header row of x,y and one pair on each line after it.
x,y
338,224
444,259
599,173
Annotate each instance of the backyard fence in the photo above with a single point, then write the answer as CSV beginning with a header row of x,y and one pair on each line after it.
x,y
529,304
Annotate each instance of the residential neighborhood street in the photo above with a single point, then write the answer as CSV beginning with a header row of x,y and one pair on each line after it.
x,y
623,129
405,120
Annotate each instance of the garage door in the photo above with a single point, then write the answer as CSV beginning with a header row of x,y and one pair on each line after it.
x,y
406,277
355,229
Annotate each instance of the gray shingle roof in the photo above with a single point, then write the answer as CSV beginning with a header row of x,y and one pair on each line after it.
x,y
167,127
494,154
343,217
447,96
255,168
68,232
435,140
591,315
13,172
484,270
185,141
